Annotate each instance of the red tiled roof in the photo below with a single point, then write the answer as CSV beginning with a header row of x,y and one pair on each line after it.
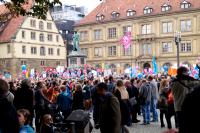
x,y
121,6
12,24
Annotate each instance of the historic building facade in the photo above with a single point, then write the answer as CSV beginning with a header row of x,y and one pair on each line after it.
x,y
29,41
152,25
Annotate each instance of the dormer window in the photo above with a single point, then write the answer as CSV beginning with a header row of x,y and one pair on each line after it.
x,y
130,12
115,15
100,17
185,5
165,8
148,10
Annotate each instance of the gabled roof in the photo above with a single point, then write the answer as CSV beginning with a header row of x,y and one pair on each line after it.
x,y
11,25
121,6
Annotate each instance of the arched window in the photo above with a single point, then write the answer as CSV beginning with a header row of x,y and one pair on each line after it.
x,y
130,12
41,37
146,65
148,10
41,25
186,63
42,51
185,4
127,66
114,14
165,8
167,64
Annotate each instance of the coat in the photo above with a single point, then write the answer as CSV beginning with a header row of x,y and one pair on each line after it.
x,y
110,116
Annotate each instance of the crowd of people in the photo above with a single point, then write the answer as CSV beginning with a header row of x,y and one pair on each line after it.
x,y
29,105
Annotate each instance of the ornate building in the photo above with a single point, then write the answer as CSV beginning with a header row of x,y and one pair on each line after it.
x,y
152,24
29,41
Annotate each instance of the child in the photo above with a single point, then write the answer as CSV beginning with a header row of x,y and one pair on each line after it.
x,y
24,118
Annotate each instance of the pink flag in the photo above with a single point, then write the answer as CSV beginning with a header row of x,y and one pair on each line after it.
x,y
126,40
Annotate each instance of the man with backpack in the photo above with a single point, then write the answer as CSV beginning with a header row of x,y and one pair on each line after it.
x,y
145,101
182,85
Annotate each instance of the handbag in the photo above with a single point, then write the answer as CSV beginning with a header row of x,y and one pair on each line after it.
x,y
132,101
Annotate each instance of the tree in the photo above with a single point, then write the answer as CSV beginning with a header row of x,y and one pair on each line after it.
x,y
39,8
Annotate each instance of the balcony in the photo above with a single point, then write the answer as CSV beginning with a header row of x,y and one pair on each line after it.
x,y
141,37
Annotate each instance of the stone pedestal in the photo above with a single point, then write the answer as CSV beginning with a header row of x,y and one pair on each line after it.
x,y
76,59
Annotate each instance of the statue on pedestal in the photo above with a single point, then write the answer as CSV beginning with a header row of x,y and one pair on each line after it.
x,y
76,42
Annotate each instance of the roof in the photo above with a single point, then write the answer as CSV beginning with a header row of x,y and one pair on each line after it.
x,y
122,6
9,28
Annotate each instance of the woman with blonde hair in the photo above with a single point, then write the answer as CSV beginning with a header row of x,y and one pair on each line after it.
x,y
122,94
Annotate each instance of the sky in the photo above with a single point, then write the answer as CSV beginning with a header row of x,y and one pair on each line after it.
x,y
89,4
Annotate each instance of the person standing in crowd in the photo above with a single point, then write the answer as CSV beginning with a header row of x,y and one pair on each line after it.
x,y
40,101
111,85
134,93
181,86
46,126
145,100
64,102
13,89
123,97
53,92
8,116
87,95
162,102
95,102
154,98
78,98
24,97
109,111
24,117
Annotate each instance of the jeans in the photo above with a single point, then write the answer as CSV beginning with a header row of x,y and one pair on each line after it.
x,y
146,112
154,109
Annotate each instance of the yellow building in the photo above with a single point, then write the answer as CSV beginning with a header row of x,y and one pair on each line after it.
x,y
152,25
29,41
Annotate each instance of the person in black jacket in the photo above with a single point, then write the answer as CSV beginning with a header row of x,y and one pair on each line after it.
x,y
24,97
8,116
46,126
78,98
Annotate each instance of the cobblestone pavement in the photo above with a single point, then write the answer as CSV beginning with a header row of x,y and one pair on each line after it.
x,y
152,128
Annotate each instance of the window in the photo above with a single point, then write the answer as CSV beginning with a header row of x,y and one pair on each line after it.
x,y
100,17
126,29
41,37
146,29
33,50
49,26
41,25
42,63
42,51
145,49
23,62
165,8
8,49
57,63
186,46
57,38
98,52
112,33
73,61
84,51
98,34
33,35
33,23
23,34
82,61
50,51
185,5
84,36
166,47
167,27
112,51
49,37
23,49
186,25
130,13
58,51
128,51
115,15
148,10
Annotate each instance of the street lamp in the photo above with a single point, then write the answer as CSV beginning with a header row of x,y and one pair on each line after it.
x,y
177,39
